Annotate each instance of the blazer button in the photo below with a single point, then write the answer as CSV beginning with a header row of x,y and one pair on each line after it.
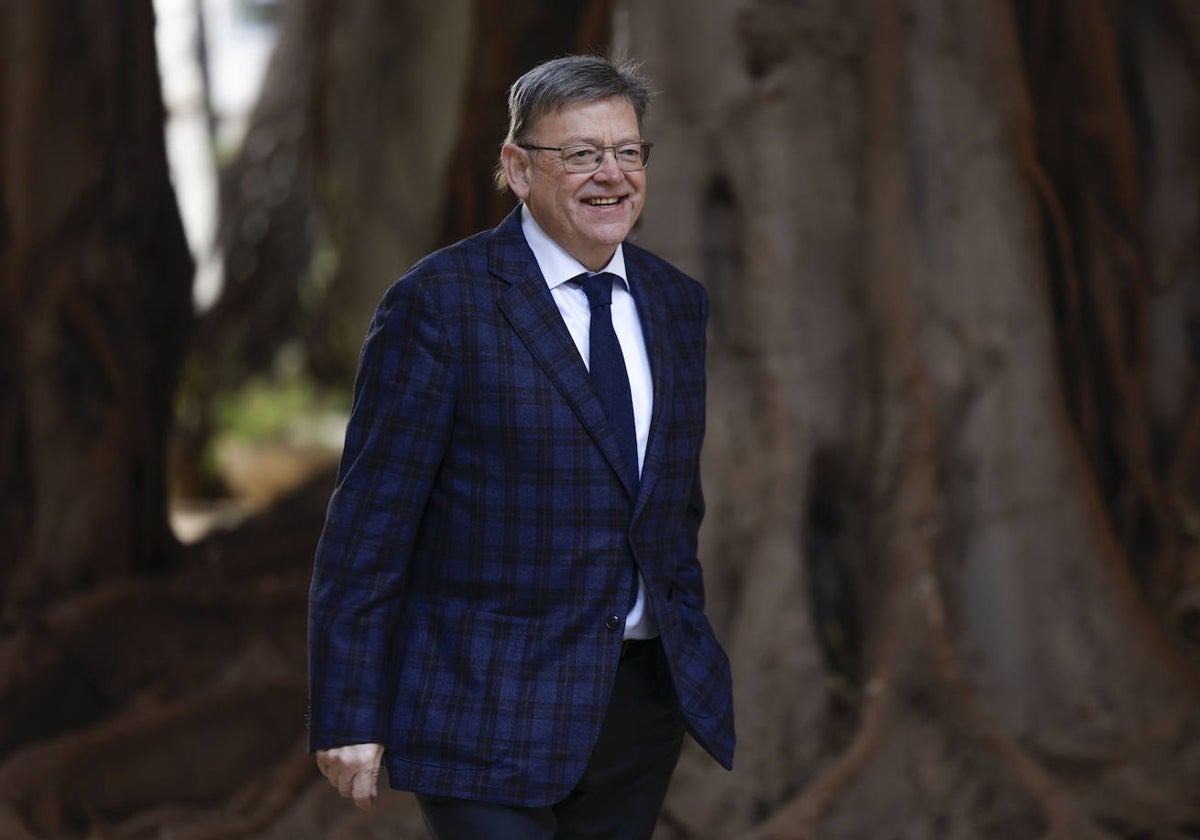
x,y
612,622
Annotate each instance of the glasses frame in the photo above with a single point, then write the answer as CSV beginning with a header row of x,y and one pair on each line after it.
x,y
562,153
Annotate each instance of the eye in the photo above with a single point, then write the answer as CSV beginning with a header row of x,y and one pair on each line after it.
x,y
579,153
630,153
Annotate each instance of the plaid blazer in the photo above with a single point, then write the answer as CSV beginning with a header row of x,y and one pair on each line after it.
x,y
476,564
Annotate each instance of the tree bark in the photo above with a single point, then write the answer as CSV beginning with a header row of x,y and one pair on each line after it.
x,y
952,463
95,279
933,616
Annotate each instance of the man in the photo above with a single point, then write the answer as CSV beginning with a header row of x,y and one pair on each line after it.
x,y
507,605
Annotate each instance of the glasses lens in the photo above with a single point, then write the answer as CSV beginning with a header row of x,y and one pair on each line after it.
x,y
581,158
585,158
630,157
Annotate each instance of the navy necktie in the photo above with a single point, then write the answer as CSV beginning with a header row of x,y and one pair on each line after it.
x,y
607,367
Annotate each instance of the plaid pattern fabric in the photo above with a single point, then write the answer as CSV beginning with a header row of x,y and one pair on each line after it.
x,y
478,556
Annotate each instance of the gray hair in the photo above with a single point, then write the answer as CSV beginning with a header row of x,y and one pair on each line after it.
x,y
566,81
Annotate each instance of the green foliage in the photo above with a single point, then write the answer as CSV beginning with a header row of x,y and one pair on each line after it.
x,y
267,410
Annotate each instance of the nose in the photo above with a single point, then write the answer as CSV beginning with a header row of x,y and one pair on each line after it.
x,y
608,165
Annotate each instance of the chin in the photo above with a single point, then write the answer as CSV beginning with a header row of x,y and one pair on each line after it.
x,y
611,235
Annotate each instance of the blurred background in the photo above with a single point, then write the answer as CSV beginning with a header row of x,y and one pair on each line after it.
x,y
953,453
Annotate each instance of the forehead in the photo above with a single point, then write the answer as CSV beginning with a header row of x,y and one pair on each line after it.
x,y
599,120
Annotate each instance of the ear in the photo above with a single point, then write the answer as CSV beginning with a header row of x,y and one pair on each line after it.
x,y
518,167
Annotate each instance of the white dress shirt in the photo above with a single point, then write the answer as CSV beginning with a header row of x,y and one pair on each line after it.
x,y
558,267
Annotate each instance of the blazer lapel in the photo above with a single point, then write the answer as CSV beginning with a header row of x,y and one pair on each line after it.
x,y
530,309
651,312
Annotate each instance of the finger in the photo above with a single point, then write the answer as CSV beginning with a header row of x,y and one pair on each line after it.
x,y
345,783
364,789
333,770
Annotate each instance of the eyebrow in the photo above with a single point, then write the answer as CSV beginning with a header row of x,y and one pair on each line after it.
x,y
591,141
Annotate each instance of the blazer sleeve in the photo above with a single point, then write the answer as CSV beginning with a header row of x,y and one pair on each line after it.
x,y
395,440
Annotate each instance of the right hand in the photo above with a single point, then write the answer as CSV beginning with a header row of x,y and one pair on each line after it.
x,y
353,770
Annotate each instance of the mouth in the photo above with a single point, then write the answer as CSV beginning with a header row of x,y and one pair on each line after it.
x,y
603,201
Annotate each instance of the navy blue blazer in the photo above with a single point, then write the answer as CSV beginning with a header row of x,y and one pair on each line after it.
x,y
476,564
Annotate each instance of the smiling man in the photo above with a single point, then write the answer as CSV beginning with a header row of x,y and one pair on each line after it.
x,y
507,606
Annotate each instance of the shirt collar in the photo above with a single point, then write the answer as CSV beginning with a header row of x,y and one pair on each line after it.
x,y
556,264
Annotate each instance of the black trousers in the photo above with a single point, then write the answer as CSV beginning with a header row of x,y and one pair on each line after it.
x,y
626,778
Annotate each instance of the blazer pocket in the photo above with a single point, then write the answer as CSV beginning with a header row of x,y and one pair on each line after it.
x,y
459,677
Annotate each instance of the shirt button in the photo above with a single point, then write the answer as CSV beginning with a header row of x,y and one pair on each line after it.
x,y
612,622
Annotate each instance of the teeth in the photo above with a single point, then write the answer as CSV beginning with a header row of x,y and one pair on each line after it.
x,y
602,202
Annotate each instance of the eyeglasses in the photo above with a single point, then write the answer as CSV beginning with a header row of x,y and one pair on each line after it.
x,y
585,157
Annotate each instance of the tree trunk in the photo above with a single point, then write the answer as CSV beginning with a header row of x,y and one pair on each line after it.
x,y
935,629
953,453
95,279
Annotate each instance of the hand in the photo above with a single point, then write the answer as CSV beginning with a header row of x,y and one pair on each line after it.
x,y
353,770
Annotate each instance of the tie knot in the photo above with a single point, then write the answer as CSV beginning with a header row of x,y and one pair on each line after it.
x,y
598,288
